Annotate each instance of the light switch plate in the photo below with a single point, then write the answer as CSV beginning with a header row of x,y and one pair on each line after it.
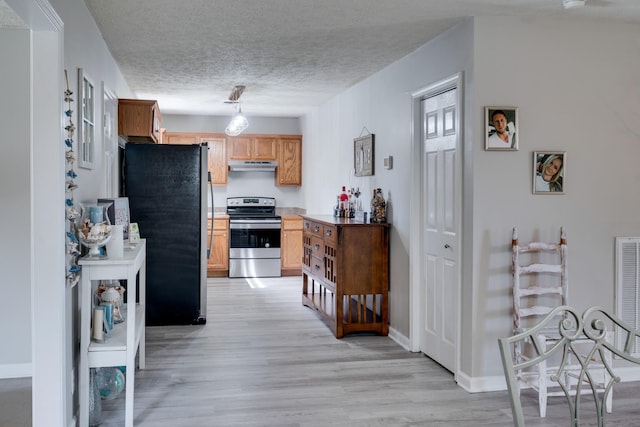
x,y
388,162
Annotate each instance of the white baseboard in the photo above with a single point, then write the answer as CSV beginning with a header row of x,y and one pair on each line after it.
x,y
15,370
481,384
399,338
498,383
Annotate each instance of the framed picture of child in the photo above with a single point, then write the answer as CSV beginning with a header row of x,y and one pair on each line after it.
x,y
549,172
501,128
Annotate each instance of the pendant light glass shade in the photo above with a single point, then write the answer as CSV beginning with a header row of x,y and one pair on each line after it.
x,y
237,124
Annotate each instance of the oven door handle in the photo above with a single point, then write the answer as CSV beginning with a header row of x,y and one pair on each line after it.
x,y
249,224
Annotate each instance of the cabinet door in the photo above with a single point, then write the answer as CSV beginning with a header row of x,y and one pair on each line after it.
x,y
179,138
264,148
292,249
239,148
139,120
289,171
291,255
218,264
217,159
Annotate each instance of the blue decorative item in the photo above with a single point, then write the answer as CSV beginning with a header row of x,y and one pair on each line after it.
x,y
110,382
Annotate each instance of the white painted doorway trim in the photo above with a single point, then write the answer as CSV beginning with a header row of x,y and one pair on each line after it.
x,y
416,246
51,347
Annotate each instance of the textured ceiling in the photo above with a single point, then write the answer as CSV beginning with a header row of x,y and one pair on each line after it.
x,y
8,18
292,55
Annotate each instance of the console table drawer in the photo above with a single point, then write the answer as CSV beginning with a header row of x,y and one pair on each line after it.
x,y
317,246
313,228
330,233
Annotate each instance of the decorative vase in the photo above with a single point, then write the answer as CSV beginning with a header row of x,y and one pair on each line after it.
x,y
110,382
378,207
94,229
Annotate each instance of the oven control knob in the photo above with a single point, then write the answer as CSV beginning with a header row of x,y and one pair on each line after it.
x,y
266,245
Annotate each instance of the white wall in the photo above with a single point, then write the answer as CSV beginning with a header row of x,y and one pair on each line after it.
x,y
84,48
245,183
15,304
382,104
36,322
577,89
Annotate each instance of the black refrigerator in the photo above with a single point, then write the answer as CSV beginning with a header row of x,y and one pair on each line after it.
x,y
168,187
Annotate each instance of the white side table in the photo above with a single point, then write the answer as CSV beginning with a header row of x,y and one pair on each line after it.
x,y
127,338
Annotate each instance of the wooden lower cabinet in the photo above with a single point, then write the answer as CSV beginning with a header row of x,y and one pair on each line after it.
x,y
218,264
291,245
345,274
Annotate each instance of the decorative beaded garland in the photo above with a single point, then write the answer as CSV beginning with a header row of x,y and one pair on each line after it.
x,y
71,211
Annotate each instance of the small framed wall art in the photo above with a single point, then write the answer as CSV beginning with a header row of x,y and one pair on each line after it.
x,y
549,172
363,155
501,133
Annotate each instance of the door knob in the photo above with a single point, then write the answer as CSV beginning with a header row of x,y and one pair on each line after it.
x,y
447,246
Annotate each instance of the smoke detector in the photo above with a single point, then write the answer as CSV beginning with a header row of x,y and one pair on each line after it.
x,y
570,4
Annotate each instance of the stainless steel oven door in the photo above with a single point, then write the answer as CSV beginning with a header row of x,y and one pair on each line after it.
x,y
254,238
254,247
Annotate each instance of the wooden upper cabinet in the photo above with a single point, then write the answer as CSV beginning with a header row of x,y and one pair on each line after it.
x,y
289,170
217,159
264,148
285,149
139,120
239,148
180,138
252,148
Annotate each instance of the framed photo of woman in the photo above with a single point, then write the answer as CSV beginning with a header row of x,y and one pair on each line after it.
x,y
549,172
501,128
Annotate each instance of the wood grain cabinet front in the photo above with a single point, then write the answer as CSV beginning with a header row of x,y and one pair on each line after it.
x,y
289,170
217,158
286,150
345,274
218,264
291,245
261,148
139,120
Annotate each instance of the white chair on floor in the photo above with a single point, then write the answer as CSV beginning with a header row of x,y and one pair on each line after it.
x,y
540,284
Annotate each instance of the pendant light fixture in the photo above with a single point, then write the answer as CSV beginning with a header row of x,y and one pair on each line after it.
x,y
238,122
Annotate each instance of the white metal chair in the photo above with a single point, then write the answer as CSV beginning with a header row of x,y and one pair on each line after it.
x,y
540,284
593,329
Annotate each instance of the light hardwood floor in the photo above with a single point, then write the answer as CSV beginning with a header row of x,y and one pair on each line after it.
x,y
263,359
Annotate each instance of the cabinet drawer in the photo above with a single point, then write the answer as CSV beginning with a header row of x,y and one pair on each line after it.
x,y
317,246
317,266
220,224
330,233
291,223
314,228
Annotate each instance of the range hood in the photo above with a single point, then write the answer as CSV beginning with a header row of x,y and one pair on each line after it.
x,y
252,166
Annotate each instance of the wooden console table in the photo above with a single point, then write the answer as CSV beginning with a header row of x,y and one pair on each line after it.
x,y
127,338
345,273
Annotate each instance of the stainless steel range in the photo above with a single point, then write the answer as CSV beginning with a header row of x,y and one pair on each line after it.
x,y
254,241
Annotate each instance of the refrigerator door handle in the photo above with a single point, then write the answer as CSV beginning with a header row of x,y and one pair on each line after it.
x,y
210,235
